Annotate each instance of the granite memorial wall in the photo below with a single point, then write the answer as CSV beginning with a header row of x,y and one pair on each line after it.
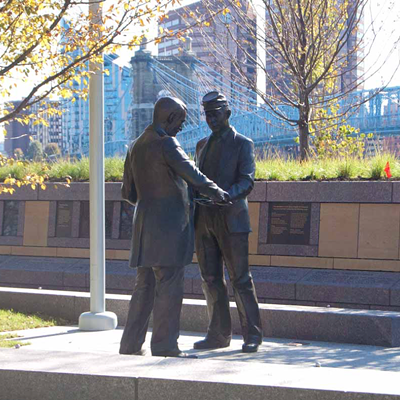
x,y
323,225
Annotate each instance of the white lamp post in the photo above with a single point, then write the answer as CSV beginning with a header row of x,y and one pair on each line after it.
x,y
97,319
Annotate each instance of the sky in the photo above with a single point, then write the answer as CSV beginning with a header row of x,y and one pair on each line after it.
x,y
386,29
382,42
385,51
382,33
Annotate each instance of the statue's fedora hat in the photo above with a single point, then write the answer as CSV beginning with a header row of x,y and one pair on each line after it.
x,y
214,101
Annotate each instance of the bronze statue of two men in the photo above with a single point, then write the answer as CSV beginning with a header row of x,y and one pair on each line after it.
x,y
161,181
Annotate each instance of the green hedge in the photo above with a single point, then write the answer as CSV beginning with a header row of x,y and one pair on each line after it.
x,y
274,168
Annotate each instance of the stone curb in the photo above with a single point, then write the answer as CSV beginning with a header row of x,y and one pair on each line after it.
x,y
371,327
49,375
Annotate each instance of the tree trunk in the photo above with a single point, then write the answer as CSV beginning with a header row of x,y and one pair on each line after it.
x,y
303,122
304,129
303,140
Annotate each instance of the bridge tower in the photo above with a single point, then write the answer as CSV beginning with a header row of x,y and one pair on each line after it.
x,y
148,87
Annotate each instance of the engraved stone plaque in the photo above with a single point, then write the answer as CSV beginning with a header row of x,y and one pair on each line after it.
x,y
84,220
289,223
109,211
10,218
64,219
127,211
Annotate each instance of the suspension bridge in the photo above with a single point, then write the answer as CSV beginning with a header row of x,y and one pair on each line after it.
x,y
379,114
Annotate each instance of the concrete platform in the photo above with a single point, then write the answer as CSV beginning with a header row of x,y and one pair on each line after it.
x,y
274,285
378,328
64,363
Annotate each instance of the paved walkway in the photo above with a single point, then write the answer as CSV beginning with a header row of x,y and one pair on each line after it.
x,y
65,363
272,351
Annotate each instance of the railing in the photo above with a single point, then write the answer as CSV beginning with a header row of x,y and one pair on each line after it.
x,y
379,115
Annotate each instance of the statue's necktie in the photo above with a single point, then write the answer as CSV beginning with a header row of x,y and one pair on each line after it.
x,y
212,158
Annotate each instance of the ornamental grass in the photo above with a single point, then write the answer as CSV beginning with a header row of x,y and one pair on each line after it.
x,y
273,167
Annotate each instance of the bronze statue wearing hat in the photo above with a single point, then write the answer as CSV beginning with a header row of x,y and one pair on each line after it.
x,y
221,232
156,174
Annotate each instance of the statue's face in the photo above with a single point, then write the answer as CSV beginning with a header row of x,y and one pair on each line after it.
x,y
218,120
176,123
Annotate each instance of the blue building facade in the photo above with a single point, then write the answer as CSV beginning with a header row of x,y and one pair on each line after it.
x,y
117,114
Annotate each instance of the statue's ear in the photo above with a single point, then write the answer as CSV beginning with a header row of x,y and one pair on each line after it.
x,y
171,117
228,113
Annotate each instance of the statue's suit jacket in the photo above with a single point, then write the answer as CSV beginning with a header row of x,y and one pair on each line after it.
x,y
235,175
155,174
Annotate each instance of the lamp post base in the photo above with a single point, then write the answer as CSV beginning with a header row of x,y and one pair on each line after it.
x,y
104,321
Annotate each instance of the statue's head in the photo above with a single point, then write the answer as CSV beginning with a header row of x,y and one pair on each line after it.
x,y
217,111
169,115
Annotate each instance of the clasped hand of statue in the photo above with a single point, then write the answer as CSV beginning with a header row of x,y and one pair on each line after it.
x,y
206,201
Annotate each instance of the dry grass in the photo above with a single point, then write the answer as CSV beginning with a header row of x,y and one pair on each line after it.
x,y
11,320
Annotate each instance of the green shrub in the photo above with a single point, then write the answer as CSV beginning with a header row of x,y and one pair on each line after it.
x,y
273,168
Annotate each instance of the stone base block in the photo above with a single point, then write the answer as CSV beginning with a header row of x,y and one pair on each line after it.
x,y
49,375
372,327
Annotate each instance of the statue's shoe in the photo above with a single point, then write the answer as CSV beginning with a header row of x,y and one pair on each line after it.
x,y
250,347
209,343
178,354
140,352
